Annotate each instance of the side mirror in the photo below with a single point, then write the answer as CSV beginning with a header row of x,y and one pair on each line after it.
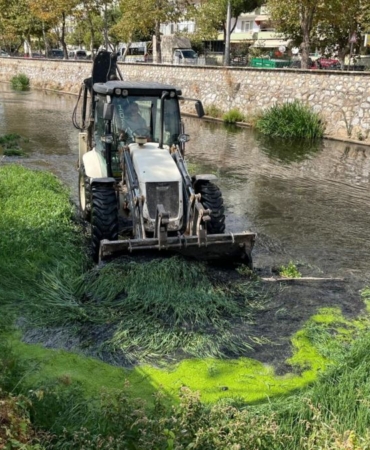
x,y
108,111
199,108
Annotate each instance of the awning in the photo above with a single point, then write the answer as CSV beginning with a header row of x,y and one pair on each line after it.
x,y
270,43
262,18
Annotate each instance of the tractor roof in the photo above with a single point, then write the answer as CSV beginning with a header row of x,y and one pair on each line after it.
x,y
135,87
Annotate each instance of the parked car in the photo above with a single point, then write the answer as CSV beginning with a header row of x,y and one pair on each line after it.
x,y
4,54
326,63
77,54
56,53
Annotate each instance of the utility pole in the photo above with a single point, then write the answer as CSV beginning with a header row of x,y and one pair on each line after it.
x,y
227,40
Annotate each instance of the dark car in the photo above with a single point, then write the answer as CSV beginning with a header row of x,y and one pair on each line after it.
x,y
297,64
56,53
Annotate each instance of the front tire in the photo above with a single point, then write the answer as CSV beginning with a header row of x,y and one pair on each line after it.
x,y
211,198
104,216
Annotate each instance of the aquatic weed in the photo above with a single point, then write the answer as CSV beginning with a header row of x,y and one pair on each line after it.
x,y
291,120
20,82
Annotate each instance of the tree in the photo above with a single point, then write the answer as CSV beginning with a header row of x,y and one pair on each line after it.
x,y
145,16
298,17
323,23
17,24
345,19
211,16
55,13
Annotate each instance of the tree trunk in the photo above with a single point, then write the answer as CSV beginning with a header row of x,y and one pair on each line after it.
x,y
228,33
307,15
158,42
46,42
128,45
63,36
92,39
305,48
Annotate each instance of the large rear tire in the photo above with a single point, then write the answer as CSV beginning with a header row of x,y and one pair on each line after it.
x,y
211,198
104,215
84,193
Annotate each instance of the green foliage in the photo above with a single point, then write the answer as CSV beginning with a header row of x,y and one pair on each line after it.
x,y
210,17
233,116
20,82
35,224
213,111
10,144
289,271
291,120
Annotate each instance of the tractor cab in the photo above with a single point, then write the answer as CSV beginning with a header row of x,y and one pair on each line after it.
x,y
135,113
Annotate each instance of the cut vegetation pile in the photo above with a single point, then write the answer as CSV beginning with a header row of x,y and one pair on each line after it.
x,y
162,309
152,311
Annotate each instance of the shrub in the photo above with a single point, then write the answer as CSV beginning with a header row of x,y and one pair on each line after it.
x,y
20,82
16,430
213,111
233,116
291,120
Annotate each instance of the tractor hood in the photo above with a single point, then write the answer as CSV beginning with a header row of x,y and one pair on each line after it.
x,y
154,165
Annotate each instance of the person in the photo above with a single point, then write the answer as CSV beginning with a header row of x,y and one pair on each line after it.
x,y
133,119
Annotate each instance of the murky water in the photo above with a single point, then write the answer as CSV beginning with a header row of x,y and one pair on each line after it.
x,y
307,204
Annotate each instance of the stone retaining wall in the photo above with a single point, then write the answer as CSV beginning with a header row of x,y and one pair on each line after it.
x,y
343,98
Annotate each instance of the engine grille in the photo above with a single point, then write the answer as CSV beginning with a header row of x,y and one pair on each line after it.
x,y
166,194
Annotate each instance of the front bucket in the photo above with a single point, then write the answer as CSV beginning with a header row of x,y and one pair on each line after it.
x,y
218,247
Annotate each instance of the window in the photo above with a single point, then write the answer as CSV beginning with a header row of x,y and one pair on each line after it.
x,y
150,111
247,26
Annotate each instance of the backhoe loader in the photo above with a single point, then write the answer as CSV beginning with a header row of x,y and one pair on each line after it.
x,y
134,186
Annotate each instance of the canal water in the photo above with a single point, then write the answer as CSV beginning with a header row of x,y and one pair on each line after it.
x,y
309,204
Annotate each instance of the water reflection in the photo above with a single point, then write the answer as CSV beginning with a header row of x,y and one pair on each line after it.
x,y
312,209
288,150
306,204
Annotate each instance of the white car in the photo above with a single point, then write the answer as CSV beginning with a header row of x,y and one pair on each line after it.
x,y
4,54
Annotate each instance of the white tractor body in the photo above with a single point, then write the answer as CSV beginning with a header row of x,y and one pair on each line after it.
x,y
160,183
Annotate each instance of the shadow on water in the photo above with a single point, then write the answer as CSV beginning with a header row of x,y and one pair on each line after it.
x,y
287,150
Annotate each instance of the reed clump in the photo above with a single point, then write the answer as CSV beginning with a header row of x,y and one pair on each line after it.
x,y
290,120
20,82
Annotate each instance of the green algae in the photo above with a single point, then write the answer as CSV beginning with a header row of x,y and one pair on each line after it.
x,y
243,379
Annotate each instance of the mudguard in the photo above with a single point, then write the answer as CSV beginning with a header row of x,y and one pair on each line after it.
x,y
95,166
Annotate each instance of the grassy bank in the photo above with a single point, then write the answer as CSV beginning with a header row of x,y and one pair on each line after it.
x,y
175,325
